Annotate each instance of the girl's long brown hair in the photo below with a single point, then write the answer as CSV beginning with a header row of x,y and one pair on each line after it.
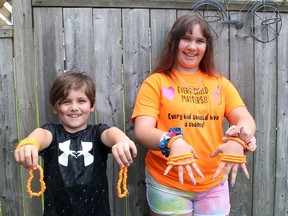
x,y
182,25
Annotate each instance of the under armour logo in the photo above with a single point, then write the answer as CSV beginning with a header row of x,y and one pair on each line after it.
x,y
65,147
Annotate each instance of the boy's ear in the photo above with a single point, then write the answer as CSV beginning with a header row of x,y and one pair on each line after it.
x,y
93,105
55,111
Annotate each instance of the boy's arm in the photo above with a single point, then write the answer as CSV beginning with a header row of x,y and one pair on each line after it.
x,y
27,155
121,145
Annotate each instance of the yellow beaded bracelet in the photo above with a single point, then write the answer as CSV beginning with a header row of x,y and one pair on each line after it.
x,y
31,176
122,180
233,158
173,139
180,163
180,157
240,141
32,141
28,141
173,159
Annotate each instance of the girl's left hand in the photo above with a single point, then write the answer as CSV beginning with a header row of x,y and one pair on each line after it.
x,y
122,152
230,147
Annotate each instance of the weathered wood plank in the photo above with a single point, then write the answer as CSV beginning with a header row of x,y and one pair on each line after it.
x,y
281,186
25,85
158,4
10,172
265,115
49,57
109,89
6,31
161,23
78,41
242,76
136,67
78,36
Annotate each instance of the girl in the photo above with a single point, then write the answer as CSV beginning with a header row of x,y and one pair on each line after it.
x,y
178,117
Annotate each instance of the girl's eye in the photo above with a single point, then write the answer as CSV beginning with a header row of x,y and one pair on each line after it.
x,y
201,41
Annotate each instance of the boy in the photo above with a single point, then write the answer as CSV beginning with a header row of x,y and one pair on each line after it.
x,y
75,152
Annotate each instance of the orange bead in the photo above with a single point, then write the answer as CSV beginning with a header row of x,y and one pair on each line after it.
x,y
122,179
42,183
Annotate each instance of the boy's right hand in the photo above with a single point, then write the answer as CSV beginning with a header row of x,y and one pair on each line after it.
x,y
27,156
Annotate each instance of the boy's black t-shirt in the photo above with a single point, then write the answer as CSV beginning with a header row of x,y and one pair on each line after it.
x,y
75,172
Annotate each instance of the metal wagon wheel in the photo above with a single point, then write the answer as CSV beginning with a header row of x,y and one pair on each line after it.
x,y
265,23
213,12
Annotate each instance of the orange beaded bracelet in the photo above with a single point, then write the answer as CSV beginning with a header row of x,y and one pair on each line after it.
x,y
240,141
122,180
233,158
31,176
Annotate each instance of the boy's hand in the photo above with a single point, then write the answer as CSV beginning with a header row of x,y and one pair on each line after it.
x,y
122,152
27,156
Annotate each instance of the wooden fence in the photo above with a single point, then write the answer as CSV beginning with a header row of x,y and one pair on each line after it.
x,y
118,46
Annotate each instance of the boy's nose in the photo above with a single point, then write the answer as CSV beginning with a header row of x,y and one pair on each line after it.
x,y
74,106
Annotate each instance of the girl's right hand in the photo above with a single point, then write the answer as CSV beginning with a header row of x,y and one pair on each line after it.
x,y
27,156
178,147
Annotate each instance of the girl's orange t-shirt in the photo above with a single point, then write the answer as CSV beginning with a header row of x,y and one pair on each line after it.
x,y
199,109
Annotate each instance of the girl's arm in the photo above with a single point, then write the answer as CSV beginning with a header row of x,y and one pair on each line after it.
x,y
241,117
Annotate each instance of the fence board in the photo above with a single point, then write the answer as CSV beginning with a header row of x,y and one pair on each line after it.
x,y
9,177
78,39
49,61
158,4
265,115
281,187
25,85
109,89
136,68
242,76
161,23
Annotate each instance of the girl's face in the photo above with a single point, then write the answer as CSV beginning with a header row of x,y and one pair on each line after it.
x,y
191,50
74,111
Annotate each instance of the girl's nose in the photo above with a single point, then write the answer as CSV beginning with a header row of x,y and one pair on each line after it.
x,y
191,46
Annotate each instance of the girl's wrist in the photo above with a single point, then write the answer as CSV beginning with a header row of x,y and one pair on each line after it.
x,y
168,138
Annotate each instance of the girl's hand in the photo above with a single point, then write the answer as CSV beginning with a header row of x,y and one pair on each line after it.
x,y
179,146
122,152
27,156
230,147
241,132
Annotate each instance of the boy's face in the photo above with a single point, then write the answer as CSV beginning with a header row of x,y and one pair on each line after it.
x,y
74,111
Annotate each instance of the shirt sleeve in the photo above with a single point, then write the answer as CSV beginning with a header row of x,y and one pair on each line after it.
x,y
232,97
148,99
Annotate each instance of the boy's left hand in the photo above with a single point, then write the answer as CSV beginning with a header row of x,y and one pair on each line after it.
x,y
122,152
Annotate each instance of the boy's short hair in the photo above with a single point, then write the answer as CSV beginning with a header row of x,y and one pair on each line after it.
x,y
71,80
